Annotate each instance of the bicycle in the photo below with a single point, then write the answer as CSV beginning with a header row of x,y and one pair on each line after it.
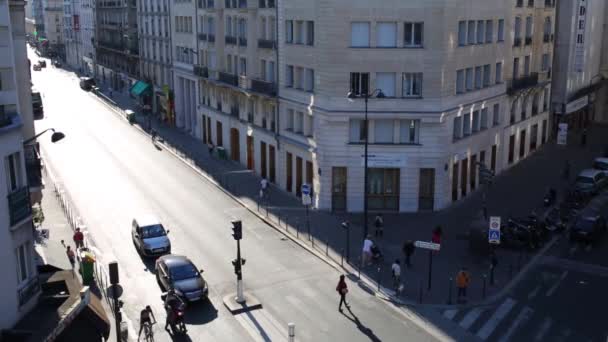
x,y
148,331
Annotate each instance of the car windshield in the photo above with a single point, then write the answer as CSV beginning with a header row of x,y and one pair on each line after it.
x,y
584,180
181,272
152,231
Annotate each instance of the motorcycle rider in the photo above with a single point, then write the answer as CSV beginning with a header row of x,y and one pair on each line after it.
x,y
172,304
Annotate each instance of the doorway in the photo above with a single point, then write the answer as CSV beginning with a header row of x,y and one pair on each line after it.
x,y
426,192
218,133
288,170
263,158
234,144
464,174
338,188
298,176
250,161
272,167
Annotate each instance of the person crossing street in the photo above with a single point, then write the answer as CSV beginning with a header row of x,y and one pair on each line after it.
x,y
342,290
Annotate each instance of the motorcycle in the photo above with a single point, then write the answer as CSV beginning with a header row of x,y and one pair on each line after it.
x,y
175,315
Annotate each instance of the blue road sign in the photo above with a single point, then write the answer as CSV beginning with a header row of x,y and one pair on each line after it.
x,y
305,189
494,236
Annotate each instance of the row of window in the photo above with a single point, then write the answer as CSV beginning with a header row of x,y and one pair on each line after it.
x,y
386,131
411,83
149,4
150,51
299,123
300,32
236,27
300,78
386,34
183,24
150,28
470,79
474,122
184,55
479,32
524,107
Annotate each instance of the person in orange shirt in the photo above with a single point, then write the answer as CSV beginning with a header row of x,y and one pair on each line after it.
x,y
463,278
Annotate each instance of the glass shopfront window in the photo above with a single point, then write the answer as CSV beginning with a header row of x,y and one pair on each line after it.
x,y
383,189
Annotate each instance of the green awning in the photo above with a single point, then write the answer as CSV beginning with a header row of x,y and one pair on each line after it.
x,y
139,88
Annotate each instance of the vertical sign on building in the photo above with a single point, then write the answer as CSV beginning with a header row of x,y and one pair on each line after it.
x,y
579,45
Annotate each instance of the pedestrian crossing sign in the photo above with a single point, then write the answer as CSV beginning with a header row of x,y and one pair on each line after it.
x,y
494,236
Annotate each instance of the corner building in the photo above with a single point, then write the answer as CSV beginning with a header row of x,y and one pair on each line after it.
x,y
274,79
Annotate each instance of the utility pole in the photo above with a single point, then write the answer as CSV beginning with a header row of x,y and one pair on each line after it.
x,y
238,263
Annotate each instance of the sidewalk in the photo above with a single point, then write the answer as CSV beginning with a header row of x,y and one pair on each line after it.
x,y
515,192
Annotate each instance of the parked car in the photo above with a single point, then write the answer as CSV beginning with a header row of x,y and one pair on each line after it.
x,y
37,107
588,229
87,83
149,236
179,273
56,63
590,181
601,164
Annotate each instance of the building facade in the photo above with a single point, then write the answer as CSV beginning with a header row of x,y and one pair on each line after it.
x,y
87,36
19,287
116,43
71,33
273,94
155,50
578,62
53,28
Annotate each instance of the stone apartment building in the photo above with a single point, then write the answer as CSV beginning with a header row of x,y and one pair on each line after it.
x,y
267,83
53,27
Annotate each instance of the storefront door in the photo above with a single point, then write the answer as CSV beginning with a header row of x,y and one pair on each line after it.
x,y
234,144
250,161
338,189
426,192
272,166
263,158
383,191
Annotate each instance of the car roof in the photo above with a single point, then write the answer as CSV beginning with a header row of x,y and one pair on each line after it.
x,y
146,220
601,160
589,173
173,260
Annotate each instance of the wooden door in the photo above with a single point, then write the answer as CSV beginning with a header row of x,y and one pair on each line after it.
x,y
272,166
493,158
522,143
235,149
511,148
455,182
263,158
426,191
288,171
219,134
209,140
338,188
309,174
473,168
464,172
298,176
250,161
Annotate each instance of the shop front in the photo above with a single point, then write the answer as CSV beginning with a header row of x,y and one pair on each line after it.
x,y
383,189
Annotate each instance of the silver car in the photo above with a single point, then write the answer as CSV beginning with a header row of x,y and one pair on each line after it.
x,y
601,164
150,237
590,181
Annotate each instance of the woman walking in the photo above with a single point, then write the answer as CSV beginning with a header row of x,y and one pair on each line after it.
x,y
342,289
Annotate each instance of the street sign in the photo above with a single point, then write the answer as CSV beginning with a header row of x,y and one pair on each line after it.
x,y
306,199
427,245
305,189
562,134
494,231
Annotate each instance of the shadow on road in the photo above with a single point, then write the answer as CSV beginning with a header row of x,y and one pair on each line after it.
x,y
365,330
201,313
149,263
180,337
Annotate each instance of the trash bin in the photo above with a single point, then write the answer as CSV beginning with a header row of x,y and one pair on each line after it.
x,y
221,153
130,116
87,265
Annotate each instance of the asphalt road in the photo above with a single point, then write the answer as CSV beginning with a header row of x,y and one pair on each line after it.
x,y
113,172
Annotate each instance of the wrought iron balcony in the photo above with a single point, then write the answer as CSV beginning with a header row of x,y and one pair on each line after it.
x,y
547,37
211,38
202,36
242,41
230,79
528,40
19,207
201,71
516,41
521,83
267,44
230,40
263,87
33,166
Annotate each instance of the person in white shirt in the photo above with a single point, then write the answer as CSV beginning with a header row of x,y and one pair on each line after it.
x,y
367,251
264,187
396,271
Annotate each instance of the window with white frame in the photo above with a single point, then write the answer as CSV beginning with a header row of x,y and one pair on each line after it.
x,y
359,34
500,37
289,76
476,121
529,27
290,120
289,31
228,26
383,131
386,34
23,257
357,130
498,76
484,118
460,81
270,72
409,131
299,78
466,124
263,70
496,114
469,79
545,63
308,125
526,65
457,134
471,32
359,83
413,34
478,78
486,75
243,66
12,165
462,33
310,80
489,31
481,33
385,81
517,28
412,84
310,33
299,124
300,36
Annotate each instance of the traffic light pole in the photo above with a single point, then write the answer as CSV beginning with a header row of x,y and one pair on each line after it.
x,y
239,275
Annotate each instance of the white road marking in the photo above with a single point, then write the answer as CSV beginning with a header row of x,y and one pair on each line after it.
x,y
556,285
521,318
542,331
534,292
470,318
500,313
450,314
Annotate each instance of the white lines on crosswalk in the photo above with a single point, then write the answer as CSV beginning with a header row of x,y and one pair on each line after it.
x,y
542,331
470,318
534,292
521,318
449,314
502,311
553,288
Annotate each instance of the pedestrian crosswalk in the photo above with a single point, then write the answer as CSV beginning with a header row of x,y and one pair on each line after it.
x,y
512,320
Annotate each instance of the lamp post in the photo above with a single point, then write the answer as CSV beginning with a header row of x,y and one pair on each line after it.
x,y
54,138
366,96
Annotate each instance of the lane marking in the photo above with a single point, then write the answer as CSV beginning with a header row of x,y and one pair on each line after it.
x,y
450,314
470,318
556,285
502,311
521,318
542,331
534,292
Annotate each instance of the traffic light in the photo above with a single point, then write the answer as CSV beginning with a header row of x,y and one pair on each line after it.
x,y
237,266
237,230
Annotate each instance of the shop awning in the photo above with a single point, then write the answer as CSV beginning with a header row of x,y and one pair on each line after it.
x,y
139,88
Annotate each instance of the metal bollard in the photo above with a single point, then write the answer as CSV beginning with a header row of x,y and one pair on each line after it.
x,y
379,278
297,230
266,209
292,332
484,287
327,246
450,291
359,268
279,216
313,242
342,257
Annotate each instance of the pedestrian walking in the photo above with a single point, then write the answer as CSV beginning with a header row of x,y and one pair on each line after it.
x,y
408,250
584,137
396,272
71,256
78,238
210,147
463,278
367,251
264,188
342,289
436,238
379,224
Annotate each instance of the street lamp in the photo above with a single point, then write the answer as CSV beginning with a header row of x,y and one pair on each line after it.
x,y
353,95
54,138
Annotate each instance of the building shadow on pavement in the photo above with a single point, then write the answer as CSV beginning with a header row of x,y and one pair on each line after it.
x,y
365,330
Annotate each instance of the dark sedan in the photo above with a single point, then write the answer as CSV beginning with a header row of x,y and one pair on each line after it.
x,y
588,229
179,273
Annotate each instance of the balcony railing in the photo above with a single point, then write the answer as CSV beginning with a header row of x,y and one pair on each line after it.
x,y
6,119
242,41
242,3
519,3
267,44
516,41
211,38
234,111
263,87
230,79
230,40
33,166
19,207
528,40
202,36
201,71
522,83
28,291
547,37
